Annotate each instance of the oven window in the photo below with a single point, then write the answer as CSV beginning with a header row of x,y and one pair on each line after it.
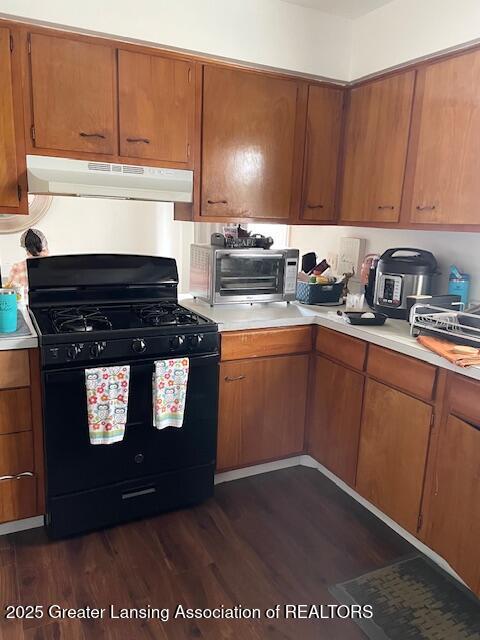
x,y
247,275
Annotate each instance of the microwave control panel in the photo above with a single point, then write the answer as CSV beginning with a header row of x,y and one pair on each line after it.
x,y
291,271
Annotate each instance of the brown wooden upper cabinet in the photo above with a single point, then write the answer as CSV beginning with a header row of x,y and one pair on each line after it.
x,y
376,139
322,141
13,193
156,107
444,158
73,95
248,143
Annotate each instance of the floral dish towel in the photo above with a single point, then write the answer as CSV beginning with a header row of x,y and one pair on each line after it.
x,y
107,403
169,391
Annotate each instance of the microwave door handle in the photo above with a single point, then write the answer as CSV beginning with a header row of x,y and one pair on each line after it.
x,y
253,255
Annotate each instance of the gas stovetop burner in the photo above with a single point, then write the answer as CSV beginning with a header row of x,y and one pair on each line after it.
x,y
166,313
74,319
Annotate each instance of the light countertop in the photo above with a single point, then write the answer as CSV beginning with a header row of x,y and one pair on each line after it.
x,y
20,339
394,334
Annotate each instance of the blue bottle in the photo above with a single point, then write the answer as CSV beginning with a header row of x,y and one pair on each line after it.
x,y
459,284
8,310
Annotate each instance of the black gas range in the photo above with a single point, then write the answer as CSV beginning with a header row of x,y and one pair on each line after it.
x,y
110,310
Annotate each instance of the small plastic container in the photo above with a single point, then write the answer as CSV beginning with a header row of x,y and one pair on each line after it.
x,y
8,310
459,284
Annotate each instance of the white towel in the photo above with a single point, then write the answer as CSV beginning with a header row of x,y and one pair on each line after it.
x,y
169,391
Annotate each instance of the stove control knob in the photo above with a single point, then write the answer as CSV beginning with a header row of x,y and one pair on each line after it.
x,y
176,342
73,351
97,349
195,340
139,345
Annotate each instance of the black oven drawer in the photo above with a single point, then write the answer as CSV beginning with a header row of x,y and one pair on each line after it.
x,y
106,506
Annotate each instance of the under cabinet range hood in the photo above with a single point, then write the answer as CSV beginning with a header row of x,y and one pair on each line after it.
x,y
64,177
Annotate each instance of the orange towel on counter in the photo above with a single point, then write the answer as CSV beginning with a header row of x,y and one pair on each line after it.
x,y
446,350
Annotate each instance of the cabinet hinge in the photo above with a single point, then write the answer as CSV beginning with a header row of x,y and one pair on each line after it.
x,y
19,191
189,74
11,42
29,44
420,521
432,419
32,131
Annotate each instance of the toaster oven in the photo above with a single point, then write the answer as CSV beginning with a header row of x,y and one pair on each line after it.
x,y
224,276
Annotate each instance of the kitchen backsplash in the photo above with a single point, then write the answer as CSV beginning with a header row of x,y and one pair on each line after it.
x,y
462,249
77,225
80,225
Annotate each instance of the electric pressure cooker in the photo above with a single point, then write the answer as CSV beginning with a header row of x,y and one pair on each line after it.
x,y
402,272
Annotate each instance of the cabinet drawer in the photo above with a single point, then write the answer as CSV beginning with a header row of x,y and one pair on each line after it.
x,y
14,369
463,395
15,410
257,343
345,349
403,372
16,453
17,499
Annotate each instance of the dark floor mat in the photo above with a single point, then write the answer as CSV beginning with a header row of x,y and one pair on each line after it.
x,y
413,599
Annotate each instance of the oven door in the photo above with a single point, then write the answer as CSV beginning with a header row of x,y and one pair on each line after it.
x,y
73,464
246,275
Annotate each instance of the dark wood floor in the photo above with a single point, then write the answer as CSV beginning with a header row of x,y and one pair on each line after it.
x,y
281,537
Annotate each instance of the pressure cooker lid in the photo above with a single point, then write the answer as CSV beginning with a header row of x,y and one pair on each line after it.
x,y
405,260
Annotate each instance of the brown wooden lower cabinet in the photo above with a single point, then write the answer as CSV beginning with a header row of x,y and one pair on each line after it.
x,y
21,436
262,408
376,437
452,515
394,441
334,420
18,499
454,520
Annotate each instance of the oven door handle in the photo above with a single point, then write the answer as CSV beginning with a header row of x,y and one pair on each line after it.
x,y
195,361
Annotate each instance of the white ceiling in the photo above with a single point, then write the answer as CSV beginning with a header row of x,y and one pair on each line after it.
x,y
345,8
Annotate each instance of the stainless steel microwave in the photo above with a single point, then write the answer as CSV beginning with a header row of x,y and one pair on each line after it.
x,y
224,276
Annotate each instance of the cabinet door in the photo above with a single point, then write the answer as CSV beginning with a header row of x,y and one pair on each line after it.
x,y
261,410
453,527
12,164
73,95
444,157
156,107
248,131
322,140
334,421
394,441
376,138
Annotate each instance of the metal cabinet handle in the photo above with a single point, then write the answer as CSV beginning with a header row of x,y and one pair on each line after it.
x,y
144,140
314,206
234,378
25,474
83,134
217,201
425,207
386,206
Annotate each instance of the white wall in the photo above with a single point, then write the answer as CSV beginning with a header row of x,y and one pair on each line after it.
x,y
403,30
78,225
266,32
462,249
